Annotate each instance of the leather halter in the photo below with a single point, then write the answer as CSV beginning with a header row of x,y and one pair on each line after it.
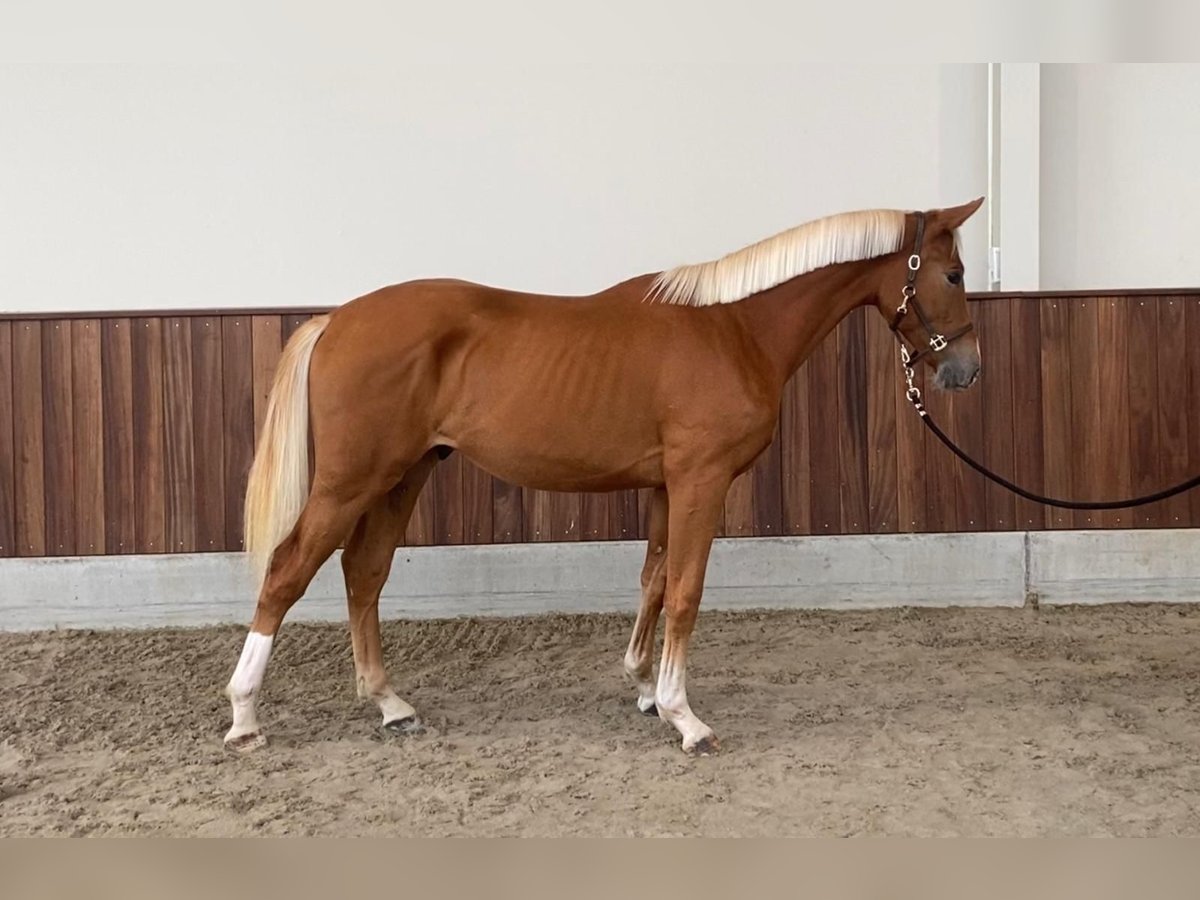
x,y
937,340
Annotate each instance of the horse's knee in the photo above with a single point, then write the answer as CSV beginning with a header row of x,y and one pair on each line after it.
x,y
681,608
637,664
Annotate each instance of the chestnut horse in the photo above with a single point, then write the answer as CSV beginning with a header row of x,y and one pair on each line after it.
x,y
670,381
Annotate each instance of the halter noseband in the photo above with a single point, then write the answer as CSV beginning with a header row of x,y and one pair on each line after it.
x,y
937,340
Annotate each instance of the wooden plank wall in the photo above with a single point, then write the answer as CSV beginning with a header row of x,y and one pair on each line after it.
x,y
134,434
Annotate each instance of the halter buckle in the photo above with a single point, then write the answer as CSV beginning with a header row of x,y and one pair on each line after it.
x,y
914,262
938,343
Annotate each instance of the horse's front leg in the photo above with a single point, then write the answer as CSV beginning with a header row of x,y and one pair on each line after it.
x,y
695,505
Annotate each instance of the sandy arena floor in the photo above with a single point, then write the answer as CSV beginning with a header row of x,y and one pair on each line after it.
x,y
947,722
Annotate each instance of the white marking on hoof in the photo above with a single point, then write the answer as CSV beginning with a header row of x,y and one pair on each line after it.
x,y
645,700
394,709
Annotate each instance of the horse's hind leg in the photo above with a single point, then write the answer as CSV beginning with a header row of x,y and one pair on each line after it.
x,y
639,657
366,563
322,525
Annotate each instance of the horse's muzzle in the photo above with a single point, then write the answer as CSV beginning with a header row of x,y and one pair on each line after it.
x,y
958,371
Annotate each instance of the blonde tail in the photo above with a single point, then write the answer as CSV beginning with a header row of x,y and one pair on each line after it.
x,y
277,487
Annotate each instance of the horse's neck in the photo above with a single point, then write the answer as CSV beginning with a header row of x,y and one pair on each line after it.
x,y
788,321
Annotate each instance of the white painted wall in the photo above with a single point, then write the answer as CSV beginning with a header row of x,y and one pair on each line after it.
x,y
1120,176
227,185
1019,167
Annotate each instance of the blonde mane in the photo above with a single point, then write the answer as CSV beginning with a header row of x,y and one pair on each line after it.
x,y
813,245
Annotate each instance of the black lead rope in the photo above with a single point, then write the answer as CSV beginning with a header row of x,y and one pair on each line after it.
x,y
938,342
1051,501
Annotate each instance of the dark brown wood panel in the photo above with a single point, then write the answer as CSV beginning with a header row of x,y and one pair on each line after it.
x,y
87,400
795,458
178,434
824,443
1085,450
1144,452
994,328
1173,425
267,343
508,514
448,500
1056,407
58,420
766,480
1115,466
883,369
536,518
477,505
1193,401
593,517
29,440
1028,459
623,515
208,432
149,437
565,513
852,421
8,474
120,516
135,434
237,349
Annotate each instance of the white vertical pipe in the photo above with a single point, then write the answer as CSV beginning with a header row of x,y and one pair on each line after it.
x,y
993,175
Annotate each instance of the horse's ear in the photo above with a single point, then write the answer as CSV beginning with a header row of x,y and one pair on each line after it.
x,y
954,216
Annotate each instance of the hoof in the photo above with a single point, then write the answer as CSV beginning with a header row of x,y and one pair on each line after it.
x,y
405,727
246,743
650,710
704,747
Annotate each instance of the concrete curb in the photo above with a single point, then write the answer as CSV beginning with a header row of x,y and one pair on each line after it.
x,y
986,569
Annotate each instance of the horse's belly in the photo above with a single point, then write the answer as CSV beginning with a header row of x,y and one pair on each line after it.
x,y
565,468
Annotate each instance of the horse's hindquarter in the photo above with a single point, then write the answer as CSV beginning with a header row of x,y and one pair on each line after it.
x,y
553,393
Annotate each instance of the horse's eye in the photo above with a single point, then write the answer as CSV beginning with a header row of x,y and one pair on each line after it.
x,y
954,277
